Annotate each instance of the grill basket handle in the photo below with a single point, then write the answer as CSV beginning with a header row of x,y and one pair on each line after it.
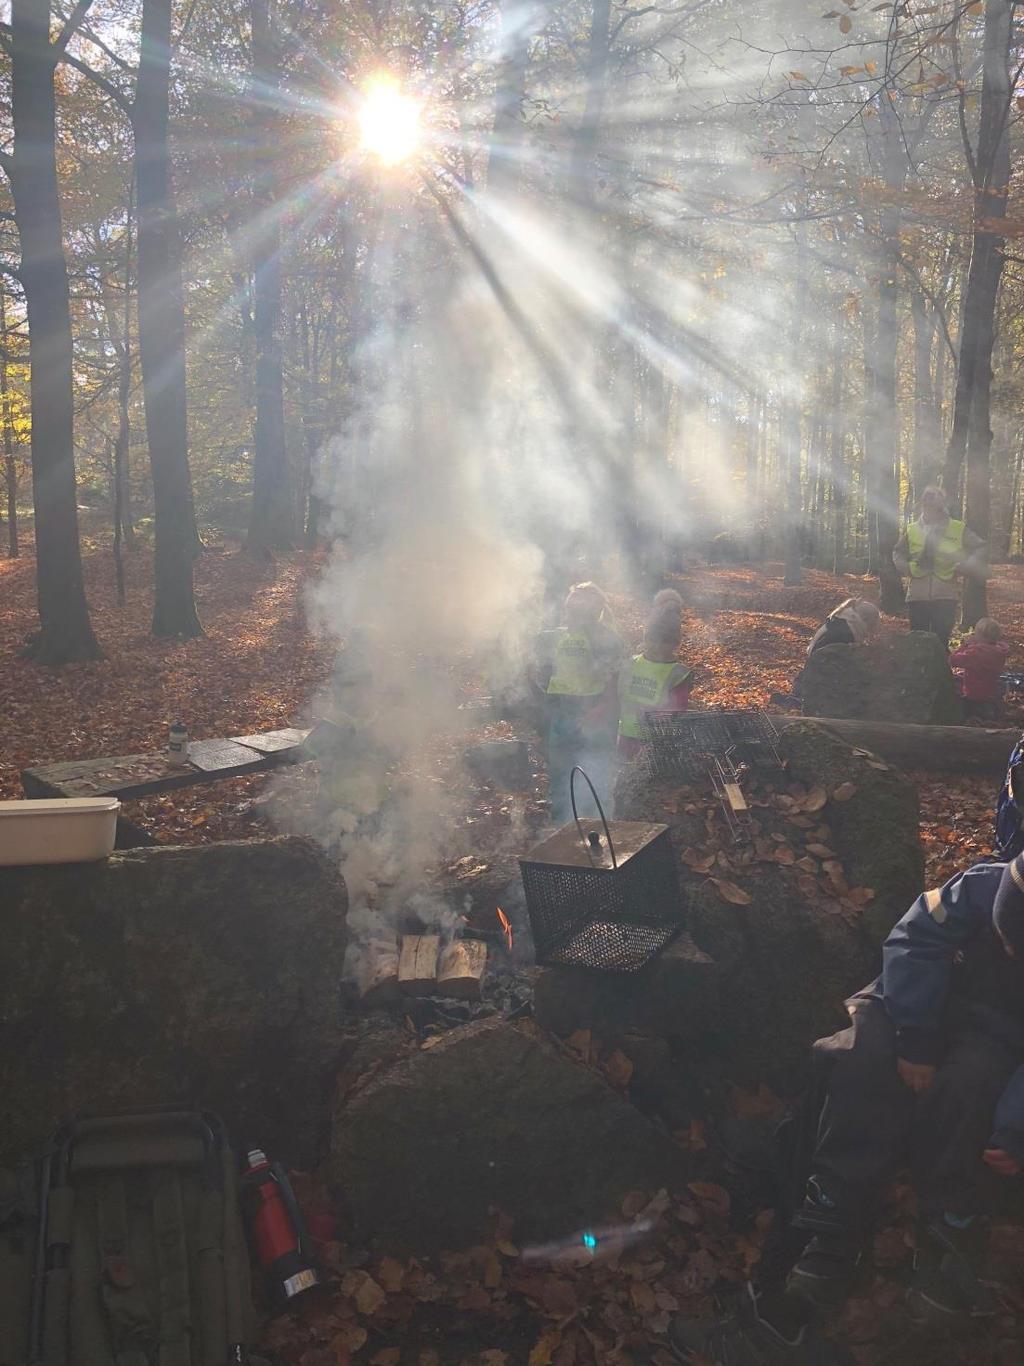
x,y
600,809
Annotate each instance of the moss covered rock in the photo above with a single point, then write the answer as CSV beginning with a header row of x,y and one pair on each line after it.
x,y
491,1116
903,677
207,974
874,817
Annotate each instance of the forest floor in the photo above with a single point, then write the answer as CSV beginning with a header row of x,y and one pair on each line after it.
x,y
257,668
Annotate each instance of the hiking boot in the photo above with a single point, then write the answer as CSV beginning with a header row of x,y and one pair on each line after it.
x,y
823,1275
747,1338
948,1286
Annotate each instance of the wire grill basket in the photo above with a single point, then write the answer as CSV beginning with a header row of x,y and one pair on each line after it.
x,y
604,898
683,746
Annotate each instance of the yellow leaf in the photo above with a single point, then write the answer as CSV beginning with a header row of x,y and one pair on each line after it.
x,y
845,24
618,1069
844,792
543,1350
391,1275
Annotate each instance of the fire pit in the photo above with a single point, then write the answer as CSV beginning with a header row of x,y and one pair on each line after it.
x,y
606,899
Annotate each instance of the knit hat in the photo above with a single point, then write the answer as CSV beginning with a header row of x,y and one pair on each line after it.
x,y
1008,907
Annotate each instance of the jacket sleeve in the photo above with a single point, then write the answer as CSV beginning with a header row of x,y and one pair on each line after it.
x,y
901,555
1009,1130
917,959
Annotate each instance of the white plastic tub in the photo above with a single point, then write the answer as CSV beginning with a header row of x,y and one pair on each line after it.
x,y
57,830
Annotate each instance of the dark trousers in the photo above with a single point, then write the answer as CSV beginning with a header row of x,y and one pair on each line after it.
x,y
937,617
872,1125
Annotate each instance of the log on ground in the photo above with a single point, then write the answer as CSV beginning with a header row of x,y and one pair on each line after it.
x,y
940,748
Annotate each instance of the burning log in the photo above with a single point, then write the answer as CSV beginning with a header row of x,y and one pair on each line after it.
x,y
417,964
378,974
461,969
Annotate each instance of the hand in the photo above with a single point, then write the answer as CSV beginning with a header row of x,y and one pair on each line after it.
x,y
1001,1162
917,1075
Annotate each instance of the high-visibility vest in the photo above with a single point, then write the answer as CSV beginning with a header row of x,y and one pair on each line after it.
x,y
948,549
645,686
578,671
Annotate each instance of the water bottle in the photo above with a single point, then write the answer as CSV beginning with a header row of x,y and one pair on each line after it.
x,y
177,744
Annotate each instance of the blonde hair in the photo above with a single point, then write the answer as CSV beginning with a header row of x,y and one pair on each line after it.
x,y
989,630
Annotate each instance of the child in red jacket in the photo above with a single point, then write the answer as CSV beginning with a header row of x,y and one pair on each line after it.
x,y
980,661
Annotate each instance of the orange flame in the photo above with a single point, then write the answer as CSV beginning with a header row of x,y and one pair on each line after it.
x,y
506,927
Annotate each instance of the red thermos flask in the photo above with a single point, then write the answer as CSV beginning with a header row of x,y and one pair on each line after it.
x,y
276,1229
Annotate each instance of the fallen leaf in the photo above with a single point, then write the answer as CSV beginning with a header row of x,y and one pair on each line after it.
x,y
730,892
700,863
643,1299
428,1357
389,1356
579,1043
369,1296
391,1275
860,896
618,1069
785,855
714,1196
821,851
543,1350
844,792
349,1338
834,873
815,800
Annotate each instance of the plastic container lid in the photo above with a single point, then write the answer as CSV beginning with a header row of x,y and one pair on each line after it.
x,y
47,806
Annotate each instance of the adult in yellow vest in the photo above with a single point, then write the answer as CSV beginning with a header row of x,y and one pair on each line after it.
x,y
577,669
654,681
935,550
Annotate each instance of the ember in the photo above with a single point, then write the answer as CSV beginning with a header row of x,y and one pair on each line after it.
x,y
506,927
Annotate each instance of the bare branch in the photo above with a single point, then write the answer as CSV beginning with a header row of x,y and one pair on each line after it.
x,y
73,24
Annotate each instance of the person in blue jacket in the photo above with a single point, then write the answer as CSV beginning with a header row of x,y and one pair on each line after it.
x,y
929,1074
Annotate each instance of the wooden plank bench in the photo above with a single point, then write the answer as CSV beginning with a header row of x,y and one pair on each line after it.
x,y
141,775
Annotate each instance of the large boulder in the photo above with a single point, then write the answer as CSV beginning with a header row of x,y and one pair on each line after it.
x,y
491,1116
901,677
786,946
874,829
208,974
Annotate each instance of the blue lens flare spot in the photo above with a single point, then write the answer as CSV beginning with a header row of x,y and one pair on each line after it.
x,y
589,1241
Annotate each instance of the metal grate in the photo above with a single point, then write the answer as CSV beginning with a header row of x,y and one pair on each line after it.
x,y
684,746
589,909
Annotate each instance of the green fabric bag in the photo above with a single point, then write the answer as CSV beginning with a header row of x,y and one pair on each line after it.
x,y
123,1246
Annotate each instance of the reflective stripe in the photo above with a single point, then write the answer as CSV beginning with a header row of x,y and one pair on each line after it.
x,y
948,552
577,673
935,906
645,686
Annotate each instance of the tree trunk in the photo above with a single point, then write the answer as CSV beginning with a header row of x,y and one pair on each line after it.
x,y
971,438
10,468
837,451
116,499
122,454
584,157
927,455
882,426
271,521
790,428
65,630
519,23
162,334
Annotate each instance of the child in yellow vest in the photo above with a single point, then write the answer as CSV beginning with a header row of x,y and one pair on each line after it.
x,y
655,680
578,669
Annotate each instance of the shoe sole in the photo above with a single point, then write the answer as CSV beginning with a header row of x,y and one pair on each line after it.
x,y
931,1313
817,1291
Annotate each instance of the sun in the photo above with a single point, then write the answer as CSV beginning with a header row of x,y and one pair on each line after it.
x,y
389,122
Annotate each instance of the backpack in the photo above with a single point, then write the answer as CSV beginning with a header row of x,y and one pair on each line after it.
x,y
1009,833
123,1246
